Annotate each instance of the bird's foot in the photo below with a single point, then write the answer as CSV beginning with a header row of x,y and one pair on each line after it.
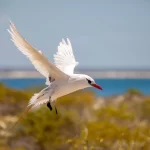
x,y
49,106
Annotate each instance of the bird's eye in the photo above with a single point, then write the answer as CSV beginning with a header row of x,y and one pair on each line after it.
x,y
89,81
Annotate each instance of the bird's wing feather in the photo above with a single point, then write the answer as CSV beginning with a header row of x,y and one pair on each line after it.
x,y
64,58
40,62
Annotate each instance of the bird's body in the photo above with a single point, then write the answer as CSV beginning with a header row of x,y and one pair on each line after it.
x,y
59,88
60,77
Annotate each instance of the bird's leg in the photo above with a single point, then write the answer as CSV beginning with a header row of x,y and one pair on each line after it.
x,y
49,104
55,108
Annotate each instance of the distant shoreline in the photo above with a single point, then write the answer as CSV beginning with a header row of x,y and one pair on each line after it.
x,y
95,74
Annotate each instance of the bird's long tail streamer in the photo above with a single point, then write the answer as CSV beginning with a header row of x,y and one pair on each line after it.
x,y
20,118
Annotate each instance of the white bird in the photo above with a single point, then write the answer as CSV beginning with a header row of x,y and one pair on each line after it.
x,y
60,77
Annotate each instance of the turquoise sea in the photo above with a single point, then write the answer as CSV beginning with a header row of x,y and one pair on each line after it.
x,y
110,86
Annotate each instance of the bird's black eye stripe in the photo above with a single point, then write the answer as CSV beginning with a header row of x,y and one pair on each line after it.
x,y
89,81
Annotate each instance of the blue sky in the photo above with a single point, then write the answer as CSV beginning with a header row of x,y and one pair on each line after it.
x,y
104,33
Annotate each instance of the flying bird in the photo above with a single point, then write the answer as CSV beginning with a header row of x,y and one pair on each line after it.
x,y
60,77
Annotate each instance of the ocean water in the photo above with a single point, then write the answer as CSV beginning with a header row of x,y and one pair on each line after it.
x,y
110,86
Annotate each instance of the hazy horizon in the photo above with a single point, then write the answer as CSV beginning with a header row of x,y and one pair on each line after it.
x,y
80,69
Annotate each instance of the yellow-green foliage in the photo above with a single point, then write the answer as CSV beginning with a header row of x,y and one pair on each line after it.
x,y
134,92
49,129
8,95
145,109
78,126
78,100
119,113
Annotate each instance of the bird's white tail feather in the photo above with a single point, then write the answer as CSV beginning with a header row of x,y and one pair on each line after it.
x,y
38,104
40,98
33,99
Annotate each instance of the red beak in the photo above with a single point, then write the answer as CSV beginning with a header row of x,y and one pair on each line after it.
x,y
97,86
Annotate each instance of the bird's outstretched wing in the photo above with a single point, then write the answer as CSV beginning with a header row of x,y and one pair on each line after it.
x,y
64,58
41,63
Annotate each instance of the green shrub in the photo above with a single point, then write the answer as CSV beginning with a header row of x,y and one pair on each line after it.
x,y
133,91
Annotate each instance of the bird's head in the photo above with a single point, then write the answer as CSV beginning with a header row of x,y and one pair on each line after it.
x,y
90,82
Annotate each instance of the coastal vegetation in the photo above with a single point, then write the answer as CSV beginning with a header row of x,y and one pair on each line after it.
x,y
84,122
